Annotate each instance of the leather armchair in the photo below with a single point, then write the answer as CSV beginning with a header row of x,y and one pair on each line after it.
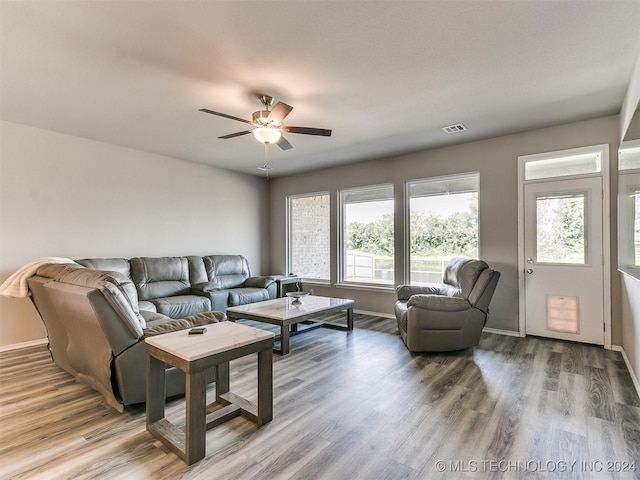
x,y
450,316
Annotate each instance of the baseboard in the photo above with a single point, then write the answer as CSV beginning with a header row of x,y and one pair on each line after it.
x,y
498,331
375,314
634,378
17,346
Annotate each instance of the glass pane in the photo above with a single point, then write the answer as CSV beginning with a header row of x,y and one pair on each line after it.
x,y
368,237
562,166
443,224
629,156
309,244
560,223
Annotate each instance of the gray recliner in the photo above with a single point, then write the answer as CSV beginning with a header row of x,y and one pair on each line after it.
x,y
449,316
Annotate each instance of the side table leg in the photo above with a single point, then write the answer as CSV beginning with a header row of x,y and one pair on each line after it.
x,y
155,390
196,421
265,386
350,319
222,379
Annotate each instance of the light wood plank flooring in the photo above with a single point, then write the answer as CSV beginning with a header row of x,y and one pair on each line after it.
x,y
349,406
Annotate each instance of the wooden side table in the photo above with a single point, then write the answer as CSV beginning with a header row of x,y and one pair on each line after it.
x,y
194,354
286,284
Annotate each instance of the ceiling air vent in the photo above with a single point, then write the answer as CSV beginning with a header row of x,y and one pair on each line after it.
x,y
455,128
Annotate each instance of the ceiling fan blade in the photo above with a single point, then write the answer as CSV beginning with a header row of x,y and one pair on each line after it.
x,y
284,144
280,111
237,134
308,131
226,116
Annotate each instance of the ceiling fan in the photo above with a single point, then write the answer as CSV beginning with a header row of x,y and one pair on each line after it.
x,y
268,124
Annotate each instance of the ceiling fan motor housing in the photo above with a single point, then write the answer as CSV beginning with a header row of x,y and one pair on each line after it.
x,y
261,117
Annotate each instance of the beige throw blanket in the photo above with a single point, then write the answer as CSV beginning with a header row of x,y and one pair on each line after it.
x,y
16,285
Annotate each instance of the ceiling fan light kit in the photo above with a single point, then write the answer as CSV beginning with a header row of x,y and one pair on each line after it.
x,y
268,124
267,135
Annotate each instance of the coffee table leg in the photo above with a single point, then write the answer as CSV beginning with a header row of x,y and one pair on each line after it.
x,y
350,319
265,386
284,339
196,421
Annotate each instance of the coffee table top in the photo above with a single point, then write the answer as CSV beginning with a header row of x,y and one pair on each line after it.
x,y
285,308
219,337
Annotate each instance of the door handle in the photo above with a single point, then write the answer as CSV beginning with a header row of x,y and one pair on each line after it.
x,y
529,271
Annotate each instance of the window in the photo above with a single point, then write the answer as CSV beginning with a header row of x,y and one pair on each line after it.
x,y
308,236
579,164
443,223
367,237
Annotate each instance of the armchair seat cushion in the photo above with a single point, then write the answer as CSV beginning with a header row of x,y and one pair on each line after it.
x,y
242,296
181,306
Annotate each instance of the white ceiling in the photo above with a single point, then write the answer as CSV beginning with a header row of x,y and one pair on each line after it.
x,y
384,75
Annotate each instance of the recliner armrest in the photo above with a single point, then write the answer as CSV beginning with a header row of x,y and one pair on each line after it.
x,y
405,292
204,287
259,282
439,303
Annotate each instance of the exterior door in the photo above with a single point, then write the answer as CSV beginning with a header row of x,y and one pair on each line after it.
x,y
563,246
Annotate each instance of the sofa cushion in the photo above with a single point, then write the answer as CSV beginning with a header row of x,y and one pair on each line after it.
x,y
160,277
227,271
242,296
120,265
182,305
165,325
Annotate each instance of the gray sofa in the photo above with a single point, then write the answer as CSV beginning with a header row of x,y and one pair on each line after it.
x,y
98,311
182,286
450,316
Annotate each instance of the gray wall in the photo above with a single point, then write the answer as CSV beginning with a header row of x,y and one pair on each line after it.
x,y
496,159
66,196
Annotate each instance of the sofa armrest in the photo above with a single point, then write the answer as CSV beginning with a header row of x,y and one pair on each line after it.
x,y
405,292
439,303
259,282
204,288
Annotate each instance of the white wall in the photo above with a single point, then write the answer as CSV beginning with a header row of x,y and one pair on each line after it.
x,y
630,299
67,196
497,160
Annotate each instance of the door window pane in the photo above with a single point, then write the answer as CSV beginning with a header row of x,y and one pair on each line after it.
x,y
309,240
560,229
367,235
443,223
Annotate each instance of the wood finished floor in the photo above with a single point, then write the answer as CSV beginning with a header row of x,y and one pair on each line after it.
x,y
349,406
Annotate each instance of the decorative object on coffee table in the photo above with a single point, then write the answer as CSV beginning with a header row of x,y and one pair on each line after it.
x,y
297,296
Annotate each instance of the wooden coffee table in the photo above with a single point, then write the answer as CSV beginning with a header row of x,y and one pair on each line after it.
x,y
287,314
194,354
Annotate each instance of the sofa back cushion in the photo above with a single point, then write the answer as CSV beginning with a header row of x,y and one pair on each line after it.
x,y
120,265
460,276
159,277
226,271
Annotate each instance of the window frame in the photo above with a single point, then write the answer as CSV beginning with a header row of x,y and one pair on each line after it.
x,y
407,211
341,280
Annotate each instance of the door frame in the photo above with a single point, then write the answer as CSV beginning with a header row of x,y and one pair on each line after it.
x,y
603,149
